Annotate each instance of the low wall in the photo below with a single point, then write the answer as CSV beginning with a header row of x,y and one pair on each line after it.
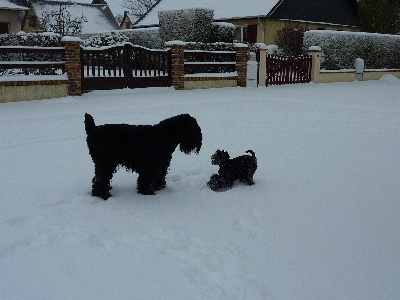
x,y
350,75
377,74
197,81
24,90
330,76
335,76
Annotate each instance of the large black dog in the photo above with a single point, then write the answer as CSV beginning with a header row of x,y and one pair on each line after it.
x,y
241,168
145,149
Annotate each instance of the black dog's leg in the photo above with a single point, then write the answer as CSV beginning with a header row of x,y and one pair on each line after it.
x,y
248,181
162,174
146,182
101,181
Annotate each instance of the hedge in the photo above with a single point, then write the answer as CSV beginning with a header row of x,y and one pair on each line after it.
x,y
379,51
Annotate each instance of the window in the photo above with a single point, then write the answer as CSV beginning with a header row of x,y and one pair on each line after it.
x,y
4,28
241,34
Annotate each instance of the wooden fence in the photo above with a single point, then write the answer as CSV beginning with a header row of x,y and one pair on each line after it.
x,y
124,66
25,60
198,61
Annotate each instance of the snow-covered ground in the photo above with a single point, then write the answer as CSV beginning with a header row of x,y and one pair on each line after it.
x,y
321,222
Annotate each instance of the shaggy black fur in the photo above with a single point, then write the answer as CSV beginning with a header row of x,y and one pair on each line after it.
x,y
241,168
144,149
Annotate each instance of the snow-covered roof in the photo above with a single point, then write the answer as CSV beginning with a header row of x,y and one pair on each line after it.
x,y
5,4
98,18
223,9
339,12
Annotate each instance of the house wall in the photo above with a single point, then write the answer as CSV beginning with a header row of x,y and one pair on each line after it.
x,y
12,17
31,21
271,28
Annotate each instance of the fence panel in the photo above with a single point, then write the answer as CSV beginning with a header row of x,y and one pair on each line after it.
x,y
124,66
288,70
198,61
16,60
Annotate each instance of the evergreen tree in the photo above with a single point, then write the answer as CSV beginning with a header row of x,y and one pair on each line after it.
x,y
382,16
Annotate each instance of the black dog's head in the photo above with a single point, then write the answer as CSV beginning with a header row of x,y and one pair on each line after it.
x,y
186,132
219,157
192,137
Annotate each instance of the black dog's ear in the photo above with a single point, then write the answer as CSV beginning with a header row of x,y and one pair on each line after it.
x,y
226,154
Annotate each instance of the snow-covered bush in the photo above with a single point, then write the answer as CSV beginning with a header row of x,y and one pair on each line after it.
x,y
342,48
147,37
188,25
290,40
45,39
106,39
223,32
274,50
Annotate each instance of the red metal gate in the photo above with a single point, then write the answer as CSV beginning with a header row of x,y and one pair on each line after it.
x,y
288,70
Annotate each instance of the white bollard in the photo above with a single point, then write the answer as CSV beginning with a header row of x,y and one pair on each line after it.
x,y
252,72
359,65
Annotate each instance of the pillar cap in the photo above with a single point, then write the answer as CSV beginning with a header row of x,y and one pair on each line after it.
x,y
71,39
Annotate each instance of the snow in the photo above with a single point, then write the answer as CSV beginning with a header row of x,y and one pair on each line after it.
x,y
14,78
321,222
71,39
5,4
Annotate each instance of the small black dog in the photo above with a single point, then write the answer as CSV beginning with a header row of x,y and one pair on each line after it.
x,y
241,168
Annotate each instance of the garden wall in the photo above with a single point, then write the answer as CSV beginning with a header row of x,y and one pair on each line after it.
x,y
344,75
25,90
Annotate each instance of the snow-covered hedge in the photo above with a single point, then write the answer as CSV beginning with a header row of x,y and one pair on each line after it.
x,y
223,32
147,37
46,39
342,48
189,25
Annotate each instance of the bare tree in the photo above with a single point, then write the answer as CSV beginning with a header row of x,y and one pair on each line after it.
x,y
60,21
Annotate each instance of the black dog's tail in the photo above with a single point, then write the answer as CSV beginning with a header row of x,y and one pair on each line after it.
x,y
89,123
251,152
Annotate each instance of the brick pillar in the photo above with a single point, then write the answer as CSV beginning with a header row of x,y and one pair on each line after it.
x,y
241,64
177,64
316,56
73,64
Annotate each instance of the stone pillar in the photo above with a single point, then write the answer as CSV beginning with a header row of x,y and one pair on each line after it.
x,y
241,64
316,56
262,68
177,64
73,66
